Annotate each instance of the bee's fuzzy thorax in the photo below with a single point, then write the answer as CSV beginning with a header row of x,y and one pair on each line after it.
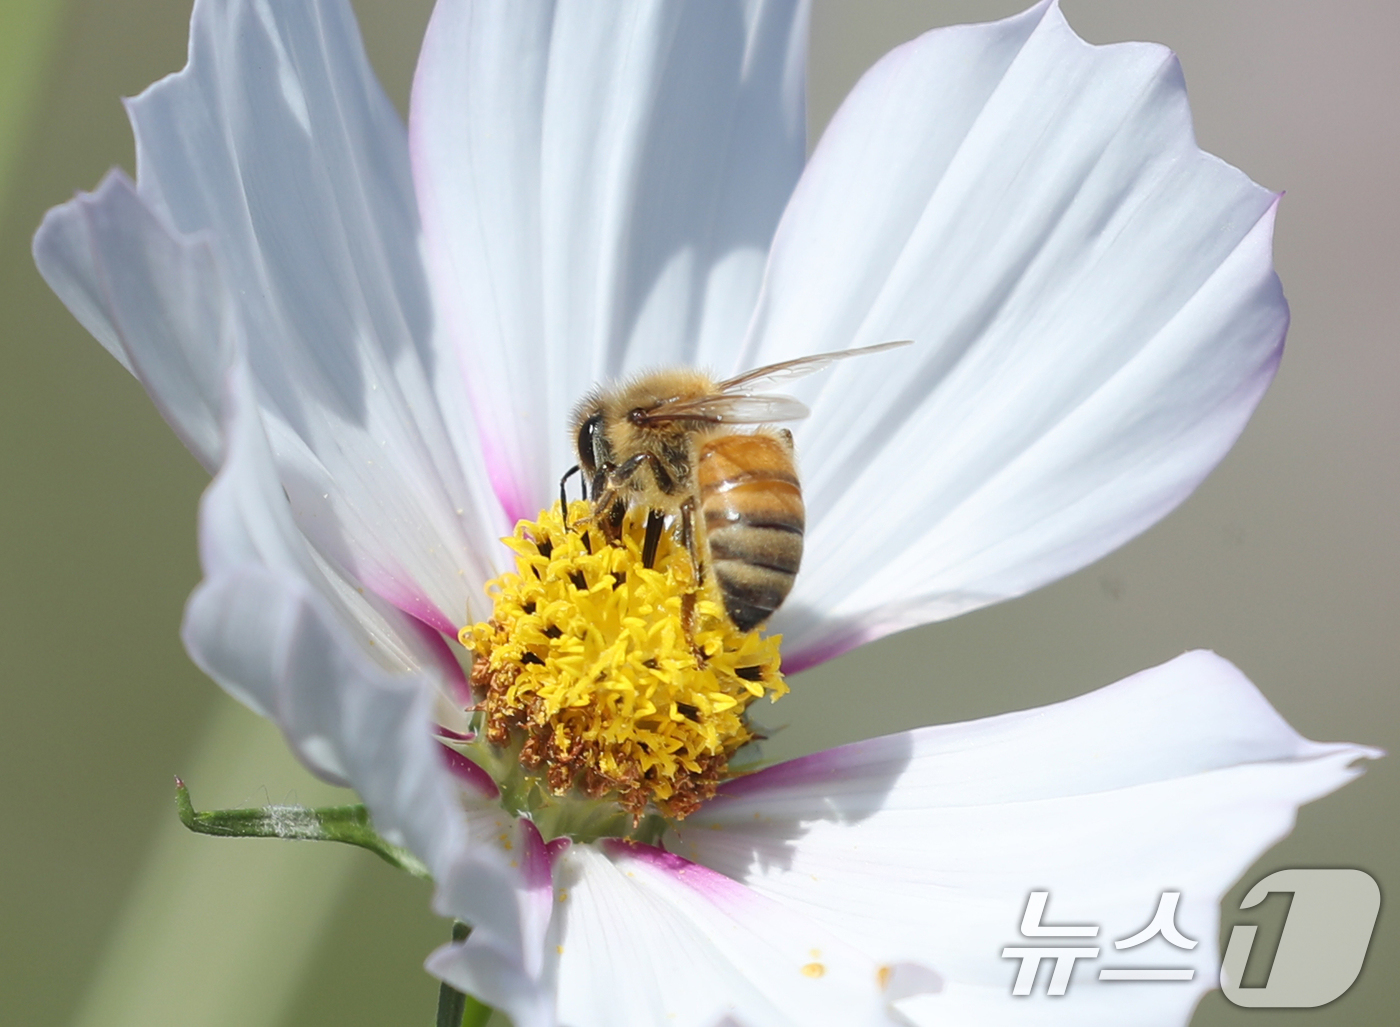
x,y
671,442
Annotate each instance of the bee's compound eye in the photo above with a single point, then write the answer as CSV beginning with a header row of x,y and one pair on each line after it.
x,y
588,440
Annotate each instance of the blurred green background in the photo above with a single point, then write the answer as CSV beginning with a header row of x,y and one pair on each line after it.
x,y
1286,560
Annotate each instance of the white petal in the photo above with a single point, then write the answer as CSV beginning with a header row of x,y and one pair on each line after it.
x,y
276,143
267,635
63,252
647,938
1092,303
599,185
264,621
152,298
488,964
924,846
245,521
478,968
351,681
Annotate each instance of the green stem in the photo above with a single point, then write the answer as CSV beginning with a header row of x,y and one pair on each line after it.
x,y
454,1008
347,824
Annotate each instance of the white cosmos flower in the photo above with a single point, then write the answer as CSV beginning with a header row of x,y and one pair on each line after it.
x,y
373,338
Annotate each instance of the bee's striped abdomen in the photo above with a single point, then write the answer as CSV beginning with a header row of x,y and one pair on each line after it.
x,y
753,518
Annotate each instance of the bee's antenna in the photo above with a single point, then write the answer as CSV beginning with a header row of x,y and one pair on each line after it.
x,y
564,496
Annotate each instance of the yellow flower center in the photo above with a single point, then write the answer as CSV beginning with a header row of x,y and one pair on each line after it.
x,y
615,680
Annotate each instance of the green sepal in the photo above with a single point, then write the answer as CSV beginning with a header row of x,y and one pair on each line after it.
x,y
348,824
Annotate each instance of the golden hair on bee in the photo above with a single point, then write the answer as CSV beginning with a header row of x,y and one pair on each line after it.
x,y
609,433
698,451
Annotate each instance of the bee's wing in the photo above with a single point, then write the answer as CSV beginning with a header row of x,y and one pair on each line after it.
x,y
762,377
728,408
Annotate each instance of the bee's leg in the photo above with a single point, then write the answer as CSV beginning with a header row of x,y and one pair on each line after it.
x,y
690,540
688,626
691,543
655,522
609,505
608,485
612,516
600,481
632,465
563,496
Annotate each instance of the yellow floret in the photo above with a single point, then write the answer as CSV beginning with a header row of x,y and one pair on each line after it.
x,y
622,680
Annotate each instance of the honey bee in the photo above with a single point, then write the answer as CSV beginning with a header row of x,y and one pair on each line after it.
x,y
667,441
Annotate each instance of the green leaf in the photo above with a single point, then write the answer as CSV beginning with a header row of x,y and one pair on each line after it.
x,y
348,824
